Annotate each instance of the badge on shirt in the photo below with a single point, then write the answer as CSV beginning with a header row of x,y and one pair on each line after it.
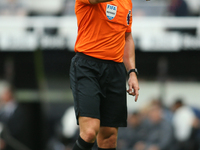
x,y
111,11
128,17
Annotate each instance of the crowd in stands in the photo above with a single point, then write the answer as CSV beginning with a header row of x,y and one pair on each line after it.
x,y
154,127
13,8
66,7
158,128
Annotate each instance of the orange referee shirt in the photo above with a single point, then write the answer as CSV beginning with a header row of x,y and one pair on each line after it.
x,y
102,27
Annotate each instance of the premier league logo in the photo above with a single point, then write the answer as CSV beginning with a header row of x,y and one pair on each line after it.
x,y
128,17
111,11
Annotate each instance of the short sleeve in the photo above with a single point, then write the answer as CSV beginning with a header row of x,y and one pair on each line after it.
x,y
129,19
84,1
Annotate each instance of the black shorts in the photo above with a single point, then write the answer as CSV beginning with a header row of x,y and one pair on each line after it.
x,y
99,90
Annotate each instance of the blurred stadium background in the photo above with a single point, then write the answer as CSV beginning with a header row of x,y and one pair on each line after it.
x,y
36,46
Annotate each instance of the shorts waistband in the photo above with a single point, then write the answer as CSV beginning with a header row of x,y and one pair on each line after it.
x,y
96,59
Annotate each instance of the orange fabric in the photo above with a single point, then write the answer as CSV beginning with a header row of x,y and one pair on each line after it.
x,y
99,34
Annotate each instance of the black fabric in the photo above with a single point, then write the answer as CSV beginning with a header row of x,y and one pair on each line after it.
x,y
106,149
82,145
76,147
94,59
99,90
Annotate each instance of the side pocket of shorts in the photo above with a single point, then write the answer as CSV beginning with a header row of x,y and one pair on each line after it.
x,y
72,71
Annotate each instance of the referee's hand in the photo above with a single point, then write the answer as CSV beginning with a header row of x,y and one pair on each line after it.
x,y
133,86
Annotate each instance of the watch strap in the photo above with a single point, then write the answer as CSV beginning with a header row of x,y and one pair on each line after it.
x,y
133,70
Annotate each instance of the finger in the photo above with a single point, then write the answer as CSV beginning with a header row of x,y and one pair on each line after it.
x,y
136,95
130,90
131,93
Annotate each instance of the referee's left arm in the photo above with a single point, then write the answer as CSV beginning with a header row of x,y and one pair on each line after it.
x,y
129,62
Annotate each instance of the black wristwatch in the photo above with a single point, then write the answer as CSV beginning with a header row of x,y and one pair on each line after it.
x,y
133,70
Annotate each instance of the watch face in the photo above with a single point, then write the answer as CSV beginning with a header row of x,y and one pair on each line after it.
x,y
136,70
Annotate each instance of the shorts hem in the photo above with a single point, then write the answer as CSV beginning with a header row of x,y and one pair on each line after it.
x,y
113,125
86,115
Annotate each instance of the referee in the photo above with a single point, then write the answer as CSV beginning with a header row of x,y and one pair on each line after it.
x,y
105,52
